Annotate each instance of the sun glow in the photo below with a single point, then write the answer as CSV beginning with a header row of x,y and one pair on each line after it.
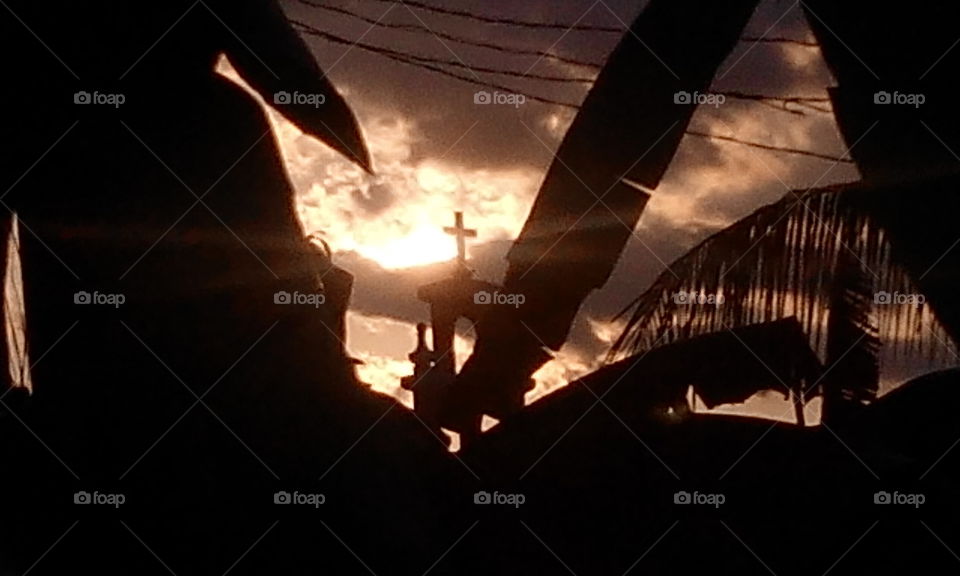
x,y
423,245
435,180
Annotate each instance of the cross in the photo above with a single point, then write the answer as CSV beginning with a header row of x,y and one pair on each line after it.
x,y
462,234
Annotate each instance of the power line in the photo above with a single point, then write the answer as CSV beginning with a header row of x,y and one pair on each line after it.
x,y
503,21
782,102
789,104
797,151
483,84
516,23
435,65
776,40
423,30
399,57
441,61
560,26
500,71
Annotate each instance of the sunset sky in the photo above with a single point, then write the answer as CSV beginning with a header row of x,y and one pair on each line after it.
x,y
436,151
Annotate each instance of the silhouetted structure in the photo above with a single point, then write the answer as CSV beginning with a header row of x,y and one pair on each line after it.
x,y
428,385
336,286
461,296
461,233
204,391
625,135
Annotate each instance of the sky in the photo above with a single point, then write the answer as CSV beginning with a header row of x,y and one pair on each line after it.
x,y
436,151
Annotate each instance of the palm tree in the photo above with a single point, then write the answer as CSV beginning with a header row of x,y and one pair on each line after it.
x,y
851,262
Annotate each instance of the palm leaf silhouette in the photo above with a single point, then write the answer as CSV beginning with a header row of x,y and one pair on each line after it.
x,y
832,257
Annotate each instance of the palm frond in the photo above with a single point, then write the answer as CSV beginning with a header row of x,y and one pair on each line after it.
x,y
853,343
785,259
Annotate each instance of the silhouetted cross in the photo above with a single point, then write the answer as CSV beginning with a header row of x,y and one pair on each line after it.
x,y
462,234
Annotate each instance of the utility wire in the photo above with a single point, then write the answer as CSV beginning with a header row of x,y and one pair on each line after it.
x,y
436,66
776,40
404,59
797,151
503,21
813,103
794,105
439,61
555,25
423,30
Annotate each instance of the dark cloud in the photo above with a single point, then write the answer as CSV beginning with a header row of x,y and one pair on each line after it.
x,y
377,198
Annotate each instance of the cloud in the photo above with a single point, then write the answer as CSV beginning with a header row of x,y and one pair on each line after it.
x,y
376,199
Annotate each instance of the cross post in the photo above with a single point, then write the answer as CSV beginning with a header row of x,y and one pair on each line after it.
x,y
462,233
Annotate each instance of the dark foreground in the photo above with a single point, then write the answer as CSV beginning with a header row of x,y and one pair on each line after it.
x,y
574,489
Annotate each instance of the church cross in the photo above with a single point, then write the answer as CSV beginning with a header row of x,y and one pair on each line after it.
x,y
462,234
